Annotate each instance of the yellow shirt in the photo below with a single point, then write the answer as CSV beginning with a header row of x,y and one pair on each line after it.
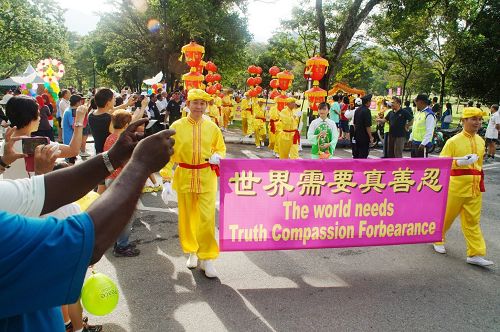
x,y
195,143
213,111
244,105
287,122
461,145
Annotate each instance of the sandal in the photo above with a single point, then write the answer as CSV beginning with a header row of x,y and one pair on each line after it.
x,y
90,328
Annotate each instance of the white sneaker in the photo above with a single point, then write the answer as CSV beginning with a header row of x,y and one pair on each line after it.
x,y
262,143
192,261
439,248
209,268
257,147
479,260
84,154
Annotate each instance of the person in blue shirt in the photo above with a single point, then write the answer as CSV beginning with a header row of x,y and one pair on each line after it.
x,y
43,261
335,110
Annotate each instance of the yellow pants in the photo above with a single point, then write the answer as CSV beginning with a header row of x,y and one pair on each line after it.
x,y
272,140
469,209
226,113
277,142
285,144
260,132
197,224
294,151
244,126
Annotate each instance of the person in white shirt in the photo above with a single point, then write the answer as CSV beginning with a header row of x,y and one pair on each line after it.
x,y
63,105
492,134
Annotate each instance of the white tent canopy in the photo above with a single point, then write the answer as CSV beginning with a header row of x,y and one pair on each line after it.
x,y
29,76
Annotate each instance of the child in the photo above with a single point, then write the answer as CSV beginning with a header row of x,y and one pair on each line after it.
x,y
323,134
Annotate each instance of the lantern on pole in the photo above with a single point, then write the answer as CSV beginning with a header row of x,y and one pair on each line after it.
x,y
193,54
315,69
315,96
285,78
273,71
192,80
281,101
210,67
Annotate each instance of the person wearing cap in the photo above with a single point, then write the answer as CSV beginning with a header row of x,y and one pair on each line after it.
x,y
466,186
199,147
323,134
274,117
424,123
289,136
259,124
363,128
213,112
247,115
227,108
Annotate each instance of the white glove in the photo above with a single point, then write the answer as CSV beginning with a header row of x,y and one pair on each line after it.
x,y
168,194
468,160
215,159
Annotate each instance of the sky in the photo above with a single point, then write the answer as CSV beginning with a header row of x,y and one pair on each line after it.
x,y
81,16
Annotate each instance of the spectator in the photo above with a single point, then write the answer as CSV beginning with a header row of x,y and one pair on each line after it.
x,y
22,112
63,105
153,111
86,129
120,121
447,117
31,304
44,129
363,128
436,108
350,115
335,110
423,127
162,101
344,122
69,123
173,108
492,132
398,120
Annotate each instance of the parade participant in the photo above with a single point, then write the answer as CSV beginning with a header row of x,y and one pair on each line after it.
x,y
246,116
274,117
323,134
363,128
290,136
492,133
259,124
227,108
424,123
213,112
466,186
199,146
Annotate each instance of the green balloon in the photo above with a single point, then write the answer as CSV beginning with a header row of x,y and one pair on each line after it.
x,y
99,295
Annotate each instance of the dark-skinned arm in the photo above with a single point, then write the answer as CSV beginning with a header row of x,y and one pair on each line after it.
x,y
113,210
82,178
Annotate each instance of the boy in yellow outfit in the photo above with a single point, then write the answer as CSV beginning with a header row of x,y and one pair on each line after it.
x,y
274,117
213,112
246,115
199,147
289,137
227,109
466,186
259,122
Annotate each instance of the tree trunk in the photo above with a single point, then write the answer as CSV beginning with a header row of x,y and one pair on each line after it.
x,y
355,17
442,91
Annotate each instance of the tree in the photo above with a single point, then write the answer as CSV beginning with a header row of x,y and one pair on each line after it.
x,y
30,31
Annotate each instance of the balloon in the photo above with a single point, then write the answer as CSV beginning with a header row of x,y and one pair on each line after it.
x,y
150,91
99,294
29,86
25,92
46,85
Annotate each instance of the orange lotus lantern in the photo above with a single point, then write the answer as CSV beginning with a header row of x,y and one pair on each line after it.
x,y
211,90
275,93
210,78
258,70
316,68
258,80
251,81
253,70
258,88
274,84
273,71
192,80
193,53
218,86
281,101
315,95
218,77
285,78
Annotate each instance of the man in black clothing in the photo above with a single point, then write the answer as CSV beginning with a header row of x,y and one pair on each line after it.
x,y
399,120
436,108
173,108
153,110
362,129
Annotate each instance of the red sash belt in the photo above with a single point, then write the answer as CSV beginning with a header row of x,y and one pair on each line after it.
x,y
272,124
214,168
296,135
459,172
263,119
250,110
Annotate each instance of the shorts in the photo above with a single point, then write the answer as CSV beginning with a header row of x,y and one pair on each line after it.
x,y
344,125
492,140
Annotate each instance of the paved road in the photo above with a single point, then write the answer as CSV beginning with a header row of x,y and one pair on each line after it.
x,y
391,288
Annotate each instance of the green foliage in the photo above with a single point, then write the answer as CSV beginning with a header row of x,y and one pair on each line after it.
x,y
30,31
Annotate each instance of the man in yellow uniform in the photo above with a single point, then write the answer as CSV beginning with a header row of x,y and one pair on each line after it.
x,y
466,186
218,103
274,117
227,108
199,146
246,115
259,124
213,112
290,136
